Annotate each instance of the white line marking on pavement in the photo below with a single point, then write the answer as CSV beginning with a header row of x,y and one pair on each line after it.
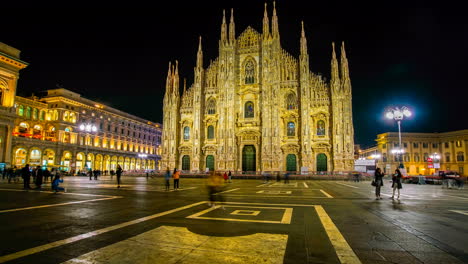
x,y
460,212
62,242
326,194
305,185
59,204
229,191
455,196
261,185
347,185
67,193
344,252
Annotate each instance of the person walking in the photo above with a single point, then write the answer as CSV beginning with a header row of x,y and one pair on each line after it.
x,y
26,175
225,176
46,175
286,177
118,173
215,187
396,183
167,178
176,176
230,176
39,176
378,180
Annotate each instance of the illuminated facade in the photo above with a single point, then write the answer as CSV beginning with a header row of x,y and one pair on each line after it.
x,y
451,147
258,108
10,65
47,132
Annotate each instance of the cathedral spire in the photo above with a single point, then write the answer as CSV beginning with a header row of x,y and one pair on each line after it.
x,y
176,79
334,67
274,23
266,24
185,86
303,40
224,29
169,81
232,28
344,63
200,54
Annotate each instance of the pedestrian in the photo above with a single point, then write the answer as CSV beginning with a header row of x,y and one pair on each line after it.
x,y
396,183
118,173
176,176
225,176
26,175
55,184
215,186
378,183
230,176
46,174
278,177
39,176
286,177
167,178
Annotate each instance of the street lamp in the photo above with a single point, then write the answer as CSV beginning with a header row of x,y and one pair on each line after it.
x,y
88,128
436,159
398,114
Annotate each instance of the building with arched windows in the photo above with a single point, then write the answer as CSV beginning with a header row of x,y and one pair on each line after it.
x,y
50,130
258,108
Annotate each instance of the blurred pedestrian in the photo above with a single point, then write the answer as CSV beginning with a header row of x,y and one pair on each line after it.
x,y
396,183
378,181
225,176
230,176
215,186
167,178
286,177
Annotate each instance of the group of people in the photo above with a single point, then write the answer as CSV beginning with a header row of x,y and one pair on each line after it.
x,y
175,175
396,183
39,177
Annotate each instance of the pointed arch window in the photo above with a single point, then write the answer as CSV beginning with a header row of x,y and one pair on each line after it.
x,y
211,107
249,110
186,133
291,129
249,72
210,132
291,102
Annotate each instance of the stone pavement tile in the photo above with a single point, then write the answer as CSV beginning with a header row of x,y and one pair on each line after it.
x,y
400,257
168,244
420,246
379,245
436,258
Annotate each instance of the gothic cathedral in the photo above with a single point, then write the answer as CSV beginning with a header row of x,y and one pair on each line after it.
x,y
258,108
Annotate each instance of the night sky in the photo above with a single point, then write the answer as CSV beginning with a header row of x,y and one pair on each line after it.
x,y
399,53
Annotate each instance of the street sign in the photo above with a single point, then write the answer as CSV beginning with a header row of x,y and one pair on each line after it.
x,y
429,160
437,165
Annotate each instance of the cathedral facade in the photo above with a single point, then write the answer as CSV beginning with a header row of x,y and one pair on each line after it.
x,y
258,108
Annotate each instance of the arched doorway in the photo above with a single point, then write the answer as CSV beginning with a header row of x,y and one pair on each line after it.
x,y
79,162
249,158
48,158
35,157
210,162
20,157
291,164
66,159
321,162
98,163
186,163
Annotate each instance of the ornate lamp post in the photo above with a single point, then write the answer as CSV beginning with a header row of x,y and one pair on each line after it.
x,y
88,128
398,114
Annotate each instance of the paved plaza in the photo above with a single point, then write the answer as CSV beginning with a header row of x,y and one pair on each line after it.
x,y
303,221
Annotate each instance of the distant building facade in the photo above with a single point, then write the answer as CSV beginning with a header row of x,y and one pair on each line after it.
x,y
45,130
48,131
257,108
451,147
